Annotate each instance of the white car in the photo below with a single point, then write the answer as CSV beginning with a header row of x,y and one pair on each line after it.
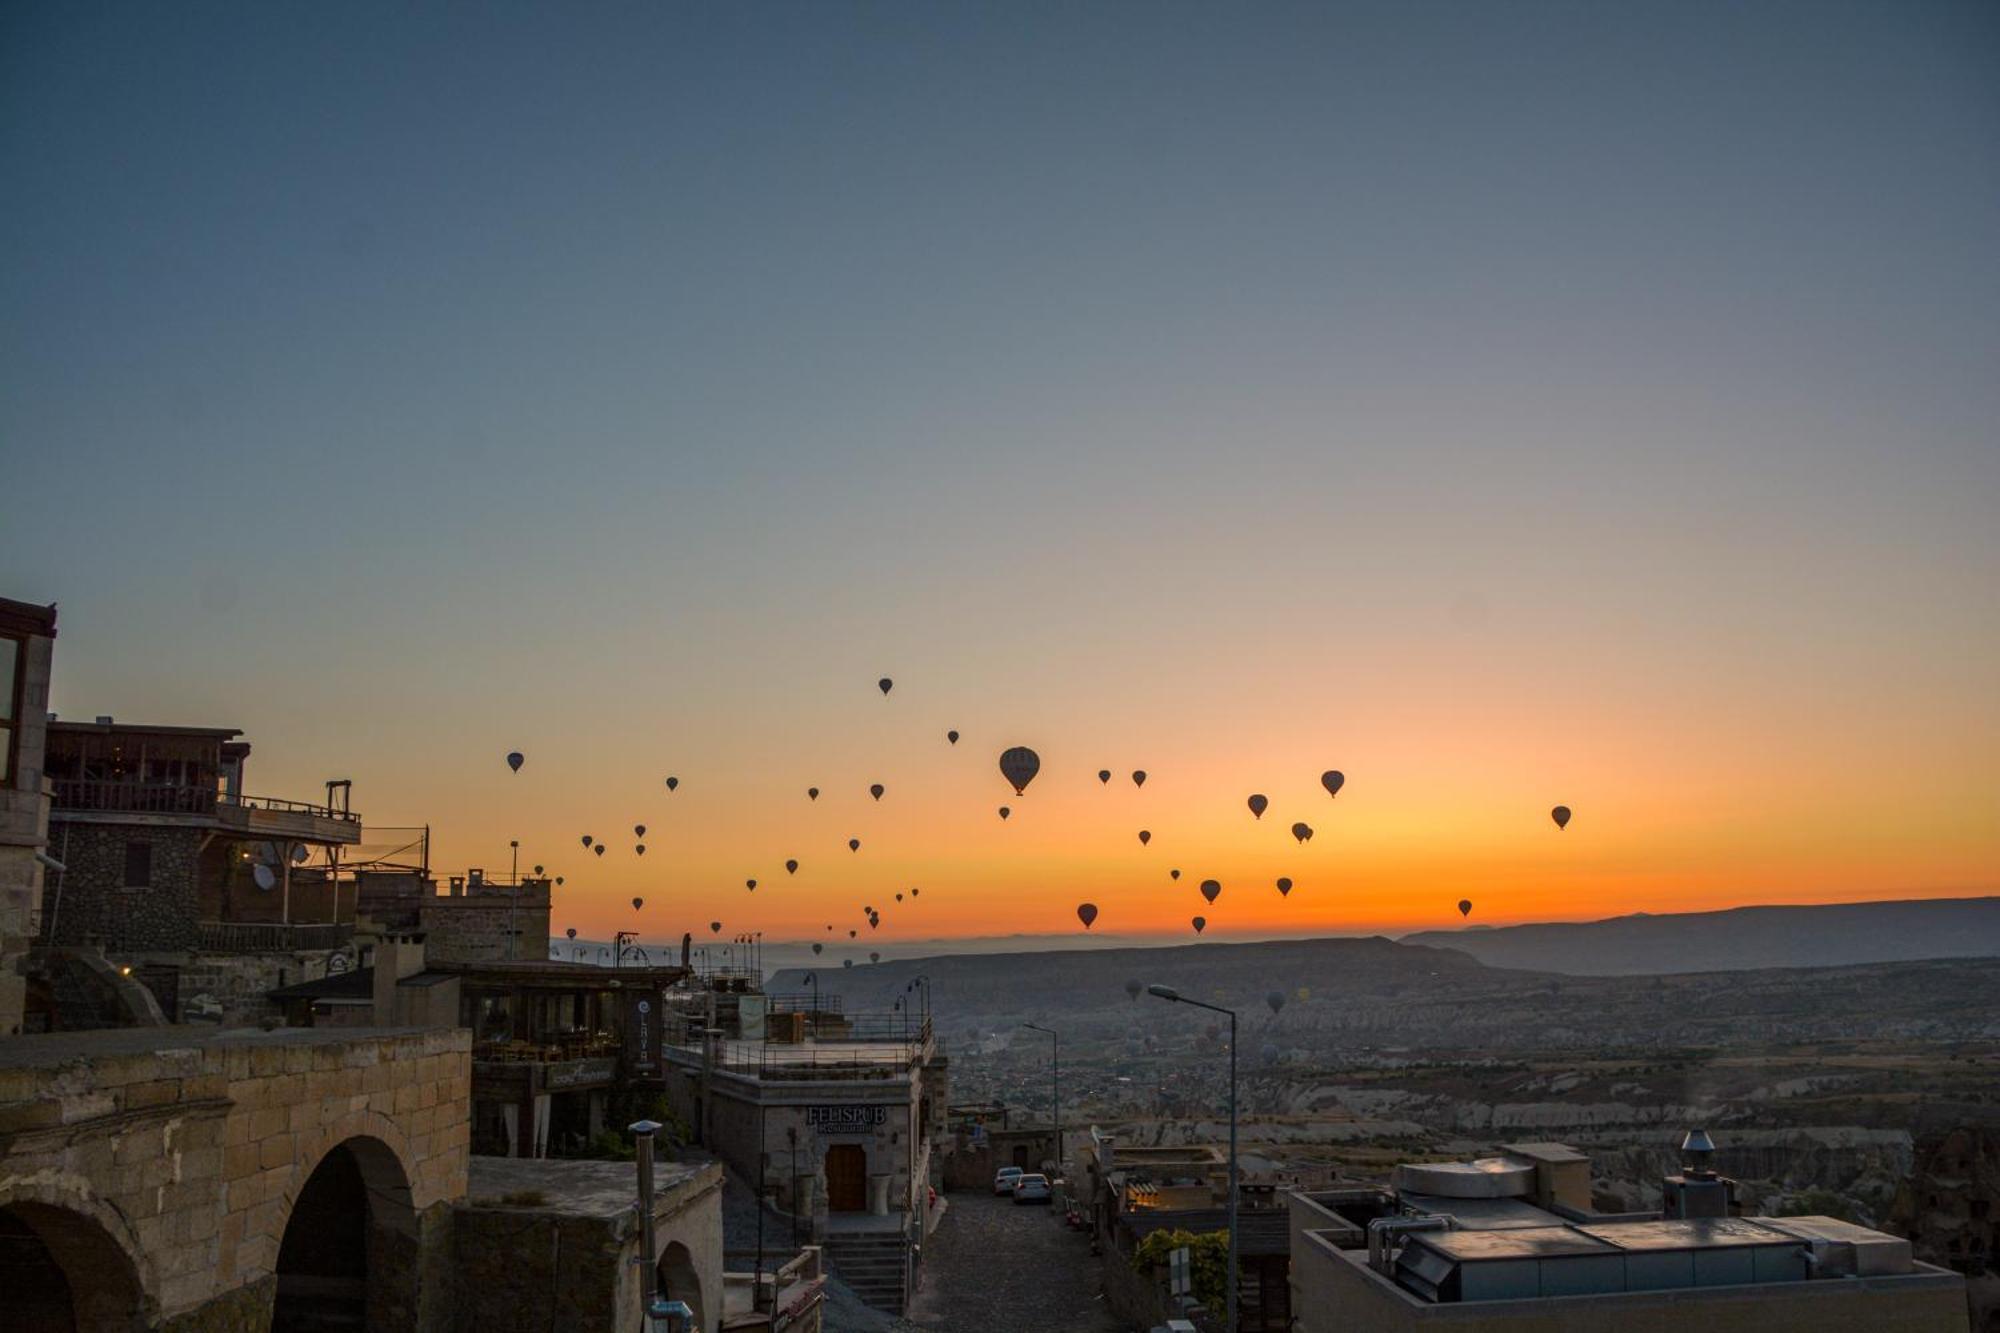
x,y
1003,1180
1032,1189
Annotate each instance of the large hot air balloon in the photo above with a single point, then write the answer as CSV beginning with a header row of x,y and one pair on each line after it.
x,y
951,736
640,849
673,783
1465,907
638,903
1104,775
1275,999
715,927
1145,836
1561,815
1332,780
1200,923
817,946
1005,811
587,840
1258,805
638,830
1132,988
1138,777
791,867
1019,766
1302,831
1211,889
812,793
599,849
1086,913
515,759
1284,886
854,844
885,684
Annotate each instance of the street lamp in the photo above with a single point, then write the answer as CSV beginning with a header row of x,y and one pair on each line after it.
x,y
1169,993
1055,1087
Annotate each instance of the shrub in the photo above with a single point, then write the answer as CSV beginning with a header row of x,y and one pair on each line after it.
x,y
1208,1259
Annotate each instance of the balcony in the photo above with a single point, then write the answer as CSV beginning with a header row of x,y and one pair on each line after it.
x,y
271,936
103,800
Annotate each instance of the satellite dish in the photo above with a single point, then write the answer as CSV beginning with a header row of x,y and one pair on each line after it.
x,y
300,854
265,879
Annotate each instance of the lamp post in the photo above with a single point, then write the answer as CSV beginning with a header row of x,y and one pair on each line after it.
x,y
660,1315
1169,993
1055,1087
924,981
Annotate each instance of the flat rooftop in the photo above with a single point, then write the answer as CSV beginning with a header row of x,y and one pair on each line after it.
x,y
52,1050
604,1191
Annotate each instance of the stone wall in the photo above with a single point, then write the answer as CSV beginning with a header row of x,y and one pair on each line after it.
x,y
489,927
175,1155
24,814
89,904
239,982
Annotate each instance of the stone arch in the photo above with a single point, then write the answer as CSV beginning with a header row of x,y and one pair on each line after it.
x,y
347,1249
676,1279
103,1281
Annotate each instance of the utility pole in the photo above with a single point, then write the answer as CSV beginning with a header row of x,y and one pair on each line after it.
x,y
1055,1088
1170,994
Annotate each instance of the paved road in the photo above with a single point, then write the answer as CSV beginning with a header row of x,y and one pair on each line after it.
x,y
995,1267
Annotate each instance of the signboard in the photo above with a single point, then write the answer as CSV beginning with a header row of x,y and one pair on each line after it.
x,y
1178,1283
750,1011
846,1119
642,1033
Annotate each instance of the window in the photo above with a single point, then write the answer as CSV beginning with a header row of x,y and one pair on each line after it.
x,y
12,663
138,865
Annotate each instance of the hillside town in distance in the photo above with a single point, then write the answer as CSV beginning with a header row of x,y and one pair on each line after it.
x,y
264,1066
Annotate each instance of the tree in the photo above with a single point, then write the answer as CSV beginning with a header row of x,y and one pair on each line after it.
x,y
1208,1260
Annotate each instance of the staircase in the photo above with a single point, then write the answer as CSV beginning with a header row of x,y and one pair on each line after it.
x,y
872,1263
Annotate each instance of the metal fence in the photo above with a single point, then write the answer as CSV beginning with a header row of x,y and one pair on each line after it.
x,y
271,937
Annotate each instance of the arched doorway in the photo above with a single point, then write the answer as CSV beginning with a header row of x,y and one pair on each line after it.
x,y
677,1280
338,1264
60,1271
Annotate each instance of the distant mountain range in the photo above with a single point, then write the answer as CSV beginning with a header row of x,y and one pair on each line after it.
x,y
1818,935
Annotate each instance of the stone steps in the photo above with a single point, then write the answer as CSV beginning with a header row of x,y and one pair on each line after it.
x,y
873,1265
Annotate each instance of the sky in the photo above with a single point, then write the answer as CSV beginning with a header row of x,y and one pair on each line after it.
x,y
1503,404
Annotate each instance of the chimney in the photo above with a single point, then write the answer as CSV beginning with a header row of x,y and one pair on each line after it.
x,y
1697,1191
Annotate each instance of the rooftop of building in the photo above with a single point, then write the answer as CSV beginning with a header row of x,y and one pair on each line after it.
x,y
603,1191
52,1050
107,726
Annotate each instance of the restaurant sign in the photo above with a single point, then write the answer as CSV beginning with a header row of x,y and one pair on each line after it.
x,y
846,1119
642,1033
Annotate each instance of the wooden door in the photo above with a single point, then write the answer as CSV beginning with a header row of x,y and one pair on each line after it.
x,y
846,1178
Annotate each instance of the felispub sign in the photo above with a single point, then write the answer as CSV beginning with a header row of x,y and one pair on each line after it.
x,y
642,1032
846,1119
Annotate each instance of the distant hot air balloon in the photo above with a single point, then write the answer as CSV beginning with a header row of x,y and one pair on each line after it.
x,y
791,867
899,897
852,933
1104,775
1132,988
1200,924
538,872
1138,777
1284,886
638,903
599,849
913,893
1465,907
1258,805
1005,811
715,927
1019,766
515,759
874,957
951,736
1270,1052
1145,836
854,844
1086,913
847,962
874,923
885,684
673,783
1173,874
875,789
571,932
638,830
812,793
750,884
1561,815
587,840
1275,999
1211,889
817,946
1302,831
640,849
1332,780
559,880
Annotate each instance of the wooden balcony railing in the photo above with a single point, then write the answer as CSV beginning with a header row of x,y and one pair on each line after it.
x,y
271,937
131,796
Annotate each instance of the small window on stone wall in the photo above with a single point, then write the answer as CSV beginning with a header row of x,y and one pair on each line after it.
x,y
138,865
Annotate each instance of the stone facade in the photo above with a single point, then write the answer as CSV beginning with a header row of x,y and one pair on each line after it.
x,y
491,927
164,1163
90,903
24,806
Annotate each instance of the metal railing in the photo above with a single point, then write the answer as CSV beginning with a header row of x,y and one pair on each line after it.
x,y
271,936
132,796
861,1046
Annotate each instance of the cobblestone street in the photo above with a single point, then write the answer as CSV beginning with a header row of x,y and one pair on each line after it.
x,y
995,1267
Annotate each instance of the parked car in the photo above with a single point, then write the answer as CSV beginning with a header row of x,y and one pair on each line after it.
x,y
1003,1180
1033,1189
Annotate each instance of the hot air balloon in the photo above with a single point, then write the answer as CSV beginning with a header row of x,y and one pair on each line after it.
x,y
1019,766
885,684
951,736
854,844
1132,988
899,897
638,903
1284,886
1138,777
559,880
1200,923
1270,1052
638,830
791,867
874,923
1211,889
1086,913
1275,999
852,933
1258,805
1465,907
1561,815
599,849
640,849
913,893
1145,836
874,957
571,932
1104,775
817,946
847,962
1005,811
750,884
1173,874
812,793
515,759
1302,831
875,789
673,783
1332,780
538,872
587,840
715,927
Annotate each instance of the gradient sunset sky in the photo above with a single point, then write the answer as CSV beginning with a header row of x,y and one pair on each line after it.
x,y
1505,404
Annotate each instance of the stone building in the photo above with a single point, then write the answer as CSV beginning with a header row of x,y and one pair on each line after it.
x,y
27,644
